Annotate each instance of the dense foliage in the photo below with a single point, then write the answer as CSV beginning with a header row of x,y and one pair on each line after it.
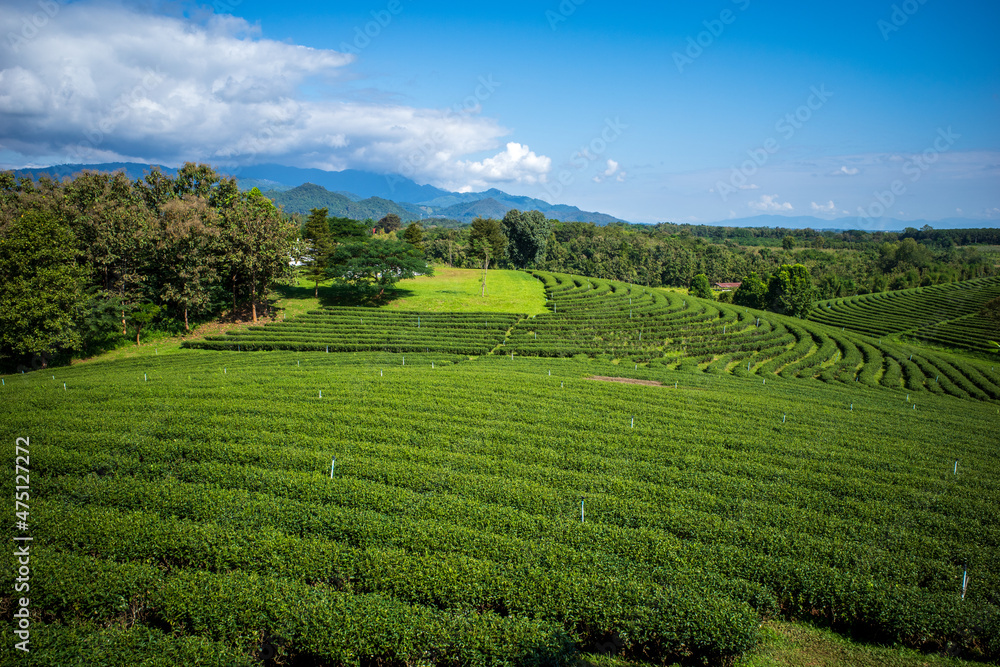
x,y
90,261
840,263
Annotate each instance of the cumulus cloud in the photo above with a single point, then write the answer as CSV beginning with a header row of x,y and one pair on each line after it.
x,y
104,82
828,207
846,171
517,164
612,170
769,203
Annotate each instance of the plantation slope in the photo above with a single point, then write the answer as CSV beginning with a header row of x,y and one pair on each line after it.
x,y
653,329
502,510
941,314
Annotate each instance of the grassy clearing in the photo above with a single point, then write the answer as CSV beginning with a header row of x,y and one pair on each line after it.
x,y
797,644
458,291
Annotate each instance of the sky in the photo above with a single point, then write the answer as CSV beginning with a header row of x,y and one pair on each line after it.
x,y
685,112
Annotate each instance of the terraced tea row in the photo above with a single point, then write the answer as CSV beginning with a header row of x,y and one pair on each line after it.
x,y
360,329
942,314
660,329
452,519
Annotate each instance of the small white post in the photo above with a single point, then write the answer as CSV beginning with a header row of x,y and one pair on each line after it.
x,y
956,467
225,372
333,462
852,407
550,373
965,581
380,372
783,419
64,386
144,378
633,421
328,349
321,393
675,384
581,511
562,384
404,361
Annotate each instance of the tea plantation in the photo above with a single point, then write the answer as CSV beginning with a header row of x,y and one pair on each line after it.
x,y
458,490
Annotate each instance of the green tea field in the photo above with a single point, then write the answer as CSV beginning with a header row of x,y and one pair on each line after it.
x,y
632,473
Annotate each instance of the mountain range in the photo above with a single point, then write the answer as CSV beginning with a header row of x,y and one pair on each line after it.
x,y
362,194
357,194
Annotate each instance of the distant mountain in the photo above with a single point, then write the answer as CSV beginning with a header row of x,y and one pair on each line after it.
x,y
361,183
838,224
133,170
359,194
309,196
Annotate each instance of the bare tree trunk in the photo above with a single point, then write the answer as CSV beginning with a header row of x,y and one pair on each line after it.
x,y
186,326
124,328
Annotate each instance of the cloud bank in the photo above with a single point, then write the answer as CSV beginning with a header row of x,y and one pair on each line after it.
x,y
97,81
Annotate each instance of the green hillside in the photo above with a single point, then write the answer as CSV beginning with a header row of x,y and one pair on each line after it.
x,y
491,502
947,314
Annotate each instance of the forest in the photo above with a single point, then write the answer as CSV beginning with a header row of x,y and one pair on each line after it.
x,y
94,261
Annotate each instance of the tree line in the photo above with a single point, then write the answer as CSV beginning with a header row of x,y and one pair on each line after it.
x,y
85,262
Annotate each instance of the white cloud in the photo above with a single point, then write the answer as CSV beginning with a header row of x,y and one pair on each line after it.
x,y
517,164
769,203
612,170
104,82
749,186
828,207
846,171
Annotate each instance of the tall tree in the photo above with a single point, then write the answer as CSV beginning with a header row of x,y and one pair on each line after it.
x,y
259,244
700,287
790,290
488,242
390,223
414,235
185,242
527,235
41,288
752,292
319,246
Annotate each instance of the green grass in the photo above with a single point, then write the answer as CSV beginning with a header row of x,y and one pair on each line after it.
x,y
459,291
447,291
187,495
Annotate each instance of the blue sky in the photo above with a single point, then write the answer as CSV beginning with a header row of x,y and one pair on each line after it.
x,y
701,112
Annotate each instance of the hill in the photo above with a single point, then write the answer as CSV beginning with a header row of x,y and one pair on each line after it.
x,y
309,195
948,314
603,477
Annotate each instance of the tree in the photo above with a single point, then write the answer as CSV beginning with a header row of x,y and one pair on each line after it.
x,y
788,243
258,244
377,263
752,292
700,287
185,237
142,315
790,291
451,235
319,246
414,235
41,288
488,242
389,223
527,235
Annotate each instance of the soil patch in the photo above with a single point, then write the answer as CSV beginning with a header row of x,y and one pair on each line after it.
x,y
648,383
